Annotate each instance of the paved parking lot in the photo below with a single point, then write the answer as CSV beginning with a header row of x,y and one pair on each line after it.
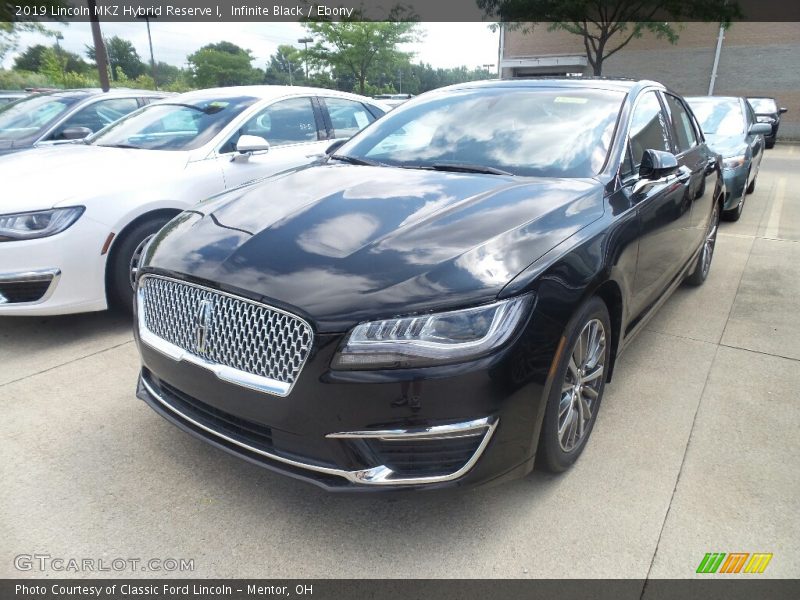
x,y
695,450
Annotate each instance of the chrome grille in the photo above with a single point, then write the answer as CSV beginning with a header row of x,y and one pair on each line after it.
x,y
242,341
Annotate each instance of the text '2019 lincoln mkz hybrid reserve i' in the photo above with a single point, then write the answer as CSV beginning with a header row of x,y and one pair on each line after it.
x,y
440,300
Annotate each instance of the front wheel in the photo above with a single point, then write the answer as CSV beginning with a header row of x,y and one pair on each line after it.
x,y
700,272
577,387
124,261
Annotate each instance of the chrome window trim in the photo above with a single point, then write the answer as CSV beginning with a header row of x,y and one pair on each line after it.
x,y
241,378
377,476
54,275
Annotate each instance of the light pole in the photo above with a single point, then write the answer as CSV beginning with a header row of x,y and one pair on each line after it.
x,y
288,65
148,14
305,41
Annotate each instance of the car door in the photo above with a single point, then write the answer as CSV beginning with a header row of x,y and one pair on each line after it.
x,y
93,116
296,134
699,162
662,210
756,142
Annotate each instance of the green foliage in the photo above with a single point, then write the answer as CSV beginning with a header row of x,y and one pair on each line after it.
x,y
286,67
121,55
607,26
31,59
223,64
19,80
360,49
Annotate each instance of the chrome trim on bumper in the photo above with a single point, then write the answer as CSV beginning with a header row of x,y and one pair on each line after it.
x,y
380,475
25,276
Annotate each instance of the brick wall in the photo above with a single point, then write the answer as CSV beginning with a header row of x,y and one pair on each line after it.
x,y
757,59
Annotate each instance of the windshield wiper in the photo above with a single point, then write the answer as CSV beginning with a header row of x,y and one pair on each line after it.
x,y
357,161
131,146
468,168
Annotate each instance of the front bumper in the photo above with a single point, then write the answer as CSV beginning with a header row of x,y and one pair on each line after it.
x,y
456,425
72,262
735,185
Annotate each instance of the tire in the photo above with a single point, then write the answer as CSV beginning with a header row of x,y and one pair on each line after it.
x,y
752,187
120,288
700,272
770,143
561,441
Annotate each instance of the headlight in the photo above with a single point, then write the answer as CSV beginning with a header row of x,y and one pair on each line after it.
x,y
431,339
732,162
39,224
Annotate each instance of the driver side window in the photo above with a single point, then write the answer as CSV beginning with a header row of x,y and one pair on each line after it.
x,y
648,131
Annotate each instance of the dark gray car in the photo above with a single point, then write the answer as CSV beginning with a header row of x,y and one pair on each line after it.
x,y
62,116
731,129
767,111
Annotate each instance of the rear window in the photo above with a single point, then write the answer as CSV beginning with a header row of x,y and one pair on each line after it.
x,y
763,105
718,117
27,116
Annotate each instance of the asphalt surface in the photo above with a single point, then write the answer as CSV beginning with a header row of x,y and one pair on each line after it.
x,y
695,450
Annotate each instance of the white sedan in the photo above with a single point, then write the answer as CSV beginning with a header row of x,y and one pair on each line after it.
x,y
74,219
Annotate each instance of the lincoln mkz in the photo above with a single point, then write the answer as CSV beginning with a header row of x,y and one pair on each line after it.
x,y
440,300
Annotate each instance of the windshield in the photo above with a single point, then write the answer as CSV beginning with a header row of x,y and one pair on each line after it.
x,y
536,132
27,116
718,117
763,105
173,126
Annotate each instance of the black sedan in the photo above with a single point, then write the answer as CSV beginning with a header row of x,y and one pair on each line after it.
x,y
767,111
440,301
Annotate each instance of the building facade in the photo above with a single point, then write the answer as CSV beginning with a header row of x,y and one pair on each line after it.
x,y
755,59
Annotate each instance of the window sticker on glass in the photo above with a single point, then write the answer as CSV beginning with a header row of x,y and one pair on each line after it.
x,y
361,119
570,100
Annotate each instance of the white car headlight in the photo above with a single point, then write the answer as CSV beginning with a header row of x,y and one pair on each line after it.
x,y
431,339
733,162
38,224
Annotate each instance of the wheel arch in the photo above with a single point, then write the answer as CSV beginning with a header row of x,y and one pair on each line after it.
x,y
115,244
610,293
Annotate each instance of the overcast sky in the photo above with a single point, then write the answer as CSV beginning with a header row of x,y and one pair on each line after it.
x,y
443,44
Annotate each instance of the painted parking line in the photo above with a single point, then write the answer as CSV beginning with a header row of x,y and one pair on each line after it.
x,y
777,206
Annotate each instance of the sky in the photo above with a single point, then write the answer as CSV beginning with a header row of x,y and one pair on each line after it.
x,y
443,44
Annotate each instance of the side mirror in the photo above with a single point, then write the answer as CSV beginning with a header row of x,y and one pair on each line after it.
x,y
760,129
335,146
782,109
75,133
657,164
251,143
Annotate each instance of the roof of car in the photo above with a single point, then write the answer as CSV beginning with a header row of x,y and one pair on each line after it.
x,y
607,83
87,92
262,92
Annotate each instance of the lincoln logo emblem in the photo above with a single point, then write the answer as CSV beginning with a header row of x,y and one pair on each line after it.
x,y
202,323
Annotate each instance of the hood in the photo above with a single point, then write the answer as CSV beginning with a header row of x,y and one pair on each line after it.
x,y
342,244
47,176
727,145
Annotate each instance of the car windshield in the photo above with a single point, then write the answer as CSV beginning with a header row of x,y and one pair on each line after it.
x,y
534,132
173,126
27,116
763,105
718,117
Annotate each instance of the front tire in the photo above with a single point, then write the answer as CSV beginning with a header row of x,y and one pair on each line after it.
x,y
124,259
577,387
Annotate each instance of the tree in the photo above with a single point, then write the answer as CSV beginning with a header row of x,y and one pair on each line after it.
x,y
223,64
607,26
285,67
32,59
361,49
121,55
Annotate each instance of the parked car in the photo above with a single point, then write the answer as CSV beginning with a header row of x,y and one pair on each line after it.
x,y
447,293
74,218
731,129
63,116
8,97
393,100
767,111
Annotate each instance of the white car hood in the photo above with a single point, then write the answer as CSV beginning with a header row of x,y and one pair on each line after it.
x,y
45,177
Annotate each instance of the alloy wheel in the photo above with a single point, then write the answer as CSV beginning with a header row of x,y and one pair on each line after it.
x,y
137,258
582,384
711,240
